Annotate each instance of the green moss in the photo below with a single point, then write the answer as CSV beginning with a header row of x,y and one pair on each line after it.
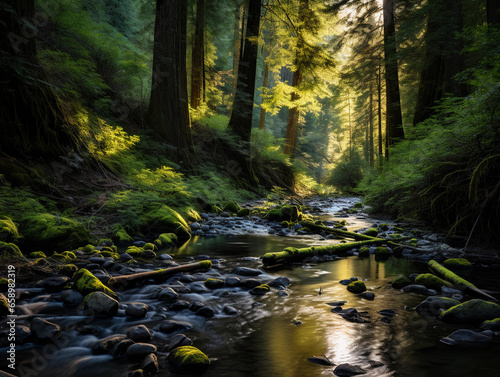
x,y
188,359
110,254
149,246
472,311
206,264
89,249
122,237
372,232
401,281
216,209
356,286
232,207
243,212
4,306
432,281
37,254
8,230
260,290
493,324
105,242
86,282
364,252
384,226
135,251
192,215
9,251
285,224
65,256
68,269
214,283
56,232
165,218
166,240
40,262
382,253
457,264
284,213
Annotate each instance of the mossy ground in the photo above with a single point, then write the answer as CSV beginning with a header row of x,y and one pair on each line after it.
x,y
86,282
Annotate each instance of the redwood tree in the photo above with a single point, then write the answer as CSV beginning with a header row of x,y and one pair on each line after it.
x,y
198,55
168,112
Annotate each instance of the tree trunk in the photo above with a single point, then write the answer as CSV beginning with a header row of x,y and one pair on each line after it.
x,y
32,122
241,117
379,114
239,16
198,55
168,108
394,119
442,58
265,83
371,152
493,11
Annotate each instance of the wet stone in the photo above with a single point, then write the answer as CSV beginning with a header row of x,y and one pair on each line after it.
x,y
280,282
206,312
136,310
22,334
367,296
250,283
43,329
229,310
246,271
71,297
348,370
178,340
232,281
54,284
106,345
170,326
195,306
168,294
139,333
179,305
139,350
120,349
150,364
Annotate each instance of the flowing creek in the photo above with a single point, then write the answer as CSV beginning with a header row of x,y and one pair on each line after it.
x,y
273,335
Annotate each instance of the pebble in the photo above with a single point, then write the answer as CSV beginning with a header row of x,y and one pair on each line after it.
x,y
43,329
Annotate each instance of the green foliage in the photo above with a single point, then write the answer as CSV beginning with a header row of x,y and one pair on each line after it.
x,y
348,172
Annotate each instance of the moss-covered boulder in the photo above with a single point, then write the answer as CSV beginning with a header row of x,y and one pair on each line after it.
x,y
372,232
216,209
382,253
206,264
88,249
458,264
192,215
231,207
86,282
283,213
356,286
472,311
9,251
55,232
364,252
401,281
149,246
37,254
243,212
433,306
431,281
165,240
121,237
110,254
493,325
188,359
8,230
214,283
100,304
165,219
260,290
135,251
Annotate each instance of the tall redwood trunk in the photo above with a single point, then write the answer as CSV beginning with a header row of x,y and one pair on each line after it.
x,y
262,119
379,114
168,108
394,119
198,56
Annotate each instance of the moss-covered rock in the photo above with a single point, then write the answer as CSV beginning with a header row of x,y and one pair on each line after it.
x,y
8,230
110,254
382,253
182,233
232,207
284,213
101,304
86,282
243,212
149,246
37,254
458,264
472,311
216,209
192,215
364,252
165,219
105,242
135,251
356,286
433,306
372,232
9,251
384,226
206,264
64,257
260,290
432,281
401,281
55,232
68,269
493,325
214,283
88,249
122,238
188,359
166,240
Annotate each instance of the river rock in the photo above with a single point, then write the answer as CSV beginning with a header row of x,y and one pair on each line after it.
x,y
250,283
120,349
43,329
467,338
336,303
168,295
206,312
356,286
229,310
139,350
281,283
415,288
54,284
150,364
232,281
100,304
136,373
472,311
136,310
348,370
198,288
22,334
260,290
106,345
401,281
179,305
493,325
195,306
367,296
188,359
431,281
175,341
169,326
214,283
433,306
139,333
246,271
71,297
320,360
387,312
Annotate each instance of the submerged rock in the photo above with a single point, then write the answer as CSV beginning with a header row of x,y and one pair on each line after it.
x,y
401,281
139,350
43,329
433,306
136,310
467,338
320,360
188,359
169,326
175,341
246,271
472,311
139,333
348,370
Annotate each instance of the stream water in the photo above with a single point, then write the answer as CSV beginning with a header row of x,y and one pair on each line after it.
x,y
273,335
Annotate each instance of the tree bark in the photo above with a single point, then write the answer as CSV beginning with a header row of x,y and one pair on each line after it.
x,y
168,108
31,120
262,119
394,119
371,152
198,55
379,114
241,117
493,11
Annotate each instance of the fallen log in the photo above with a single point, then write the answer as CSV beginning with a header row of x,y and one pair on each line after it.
x,y
124,281
291,254
456,280
343,233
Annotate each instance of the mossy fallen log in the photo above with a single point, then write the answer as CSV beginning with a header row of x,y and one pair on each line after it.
x,y
124,281
456,280
343,233
291,254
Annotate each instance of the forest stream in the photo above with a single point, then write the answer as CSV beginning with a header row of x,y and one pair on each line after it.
x,y
273,334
